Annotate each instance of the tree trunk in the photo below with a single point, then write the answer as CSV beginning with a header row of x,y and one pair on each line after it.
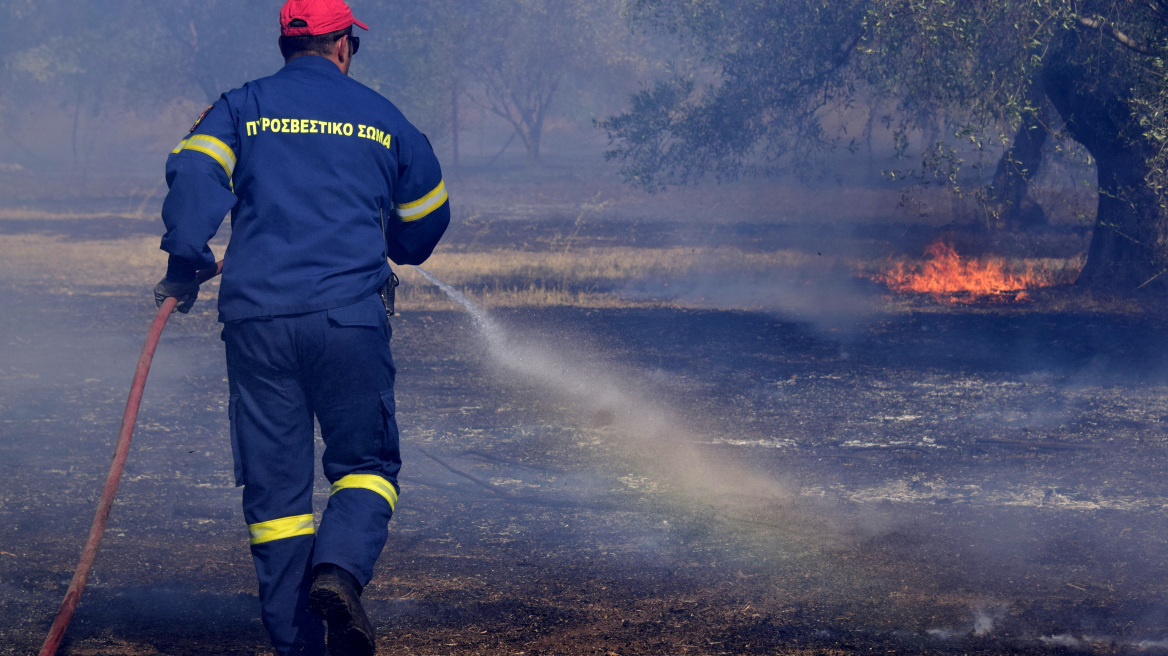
x,y
1127,251
1009,200
531,133
77,118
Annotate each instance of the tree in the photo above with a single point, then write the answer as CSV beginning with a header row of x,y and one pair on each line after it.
x,y
215,45
992,69
55,44
515,59
128,53
417,63
523,49
442,62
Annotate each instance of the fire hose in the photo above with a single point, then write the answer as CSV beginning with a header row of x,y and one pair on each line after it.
x,y
121,450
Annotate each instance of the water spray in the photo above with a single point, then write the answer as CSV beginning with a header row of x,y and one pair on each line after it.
x,y
664,438
121,451
528,360
484,323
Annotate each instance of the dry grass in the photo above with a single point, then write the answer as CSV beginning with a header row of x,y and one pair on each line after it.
x,y
617,263
1058,271
24,214
131,262
584,277
590,277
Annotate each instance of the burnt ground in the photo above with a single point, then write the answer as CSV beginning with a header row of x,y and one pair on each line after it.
x,y
946,480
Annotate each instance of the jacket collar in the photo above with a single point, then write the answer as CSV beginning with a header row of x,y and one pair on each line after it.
x,y
311,62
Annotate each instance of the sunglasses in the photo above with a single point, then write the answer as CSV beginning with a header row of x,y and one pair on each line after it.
x,y
355,41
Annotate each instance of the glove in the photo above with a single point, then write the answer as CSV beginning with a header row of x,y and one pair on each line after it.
x,y
186,291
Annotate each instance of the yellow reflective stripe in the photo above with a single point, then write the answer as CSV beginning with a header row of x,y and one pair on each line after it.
x,y
280,529
219,151
179,147
439,190
420,208
367,482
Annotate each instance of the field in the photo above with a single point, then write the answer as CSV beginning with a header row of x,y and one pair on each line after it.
x,y
680,432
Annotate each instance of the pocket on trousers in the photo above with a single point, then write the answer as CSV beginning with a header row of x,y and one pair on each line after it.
x,y
232,411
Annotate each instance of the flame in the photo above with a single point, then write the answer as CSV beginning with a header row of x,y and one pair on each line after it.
x,y
949,277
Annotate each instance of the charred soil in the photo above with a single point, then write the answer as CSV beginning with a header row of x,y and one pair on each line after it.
x,y
964,480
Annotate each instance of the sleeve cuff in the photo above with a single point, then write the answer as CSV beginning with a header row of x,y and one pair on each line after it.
x,y
180,269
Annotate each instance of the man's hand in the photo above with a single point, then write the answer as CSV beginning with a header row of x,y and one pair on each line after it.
x,y
186,291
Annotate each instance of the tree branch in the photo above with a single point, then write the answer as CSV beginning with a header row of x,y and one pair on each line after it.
x,y
1113,32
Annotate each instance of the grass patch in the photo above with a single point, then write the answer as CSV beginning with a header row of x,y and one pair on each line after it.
x,y
594,277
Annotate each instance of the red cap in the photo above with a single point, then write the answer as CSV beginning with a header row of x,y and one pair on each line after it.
x,y
322,16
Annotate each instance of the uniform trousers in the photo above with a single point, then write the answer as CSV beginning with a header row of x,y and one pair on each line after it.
x,y
335,366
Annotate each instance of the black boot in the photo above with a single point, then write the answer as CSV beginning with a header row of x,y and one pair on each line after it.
x,y
335,597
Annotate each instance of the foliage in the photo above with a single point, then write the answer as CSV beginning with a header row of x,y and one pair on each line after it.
x,y
215,45
515,59
138,53
521,60
774,68
972,64
413,60
1150,102
981,68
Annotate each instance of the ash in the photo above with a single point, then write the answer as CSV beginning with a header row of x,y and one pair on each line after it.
x,y
641,477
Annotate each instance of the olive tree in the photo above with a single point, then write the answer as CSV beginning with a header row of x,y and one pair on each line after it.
x,y
1000,73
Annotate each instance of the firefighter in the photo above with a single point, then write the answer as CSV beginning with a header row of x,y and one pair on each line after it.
x,y
324,180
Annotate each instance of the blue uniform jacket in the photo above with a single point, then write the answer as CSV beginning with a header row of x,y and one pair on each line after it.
x,y
311,165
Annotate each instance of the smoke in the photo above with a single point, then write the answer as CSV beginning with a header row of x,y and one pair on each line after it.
x,y
1100,642
999,493
985,616
659,434
832,301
